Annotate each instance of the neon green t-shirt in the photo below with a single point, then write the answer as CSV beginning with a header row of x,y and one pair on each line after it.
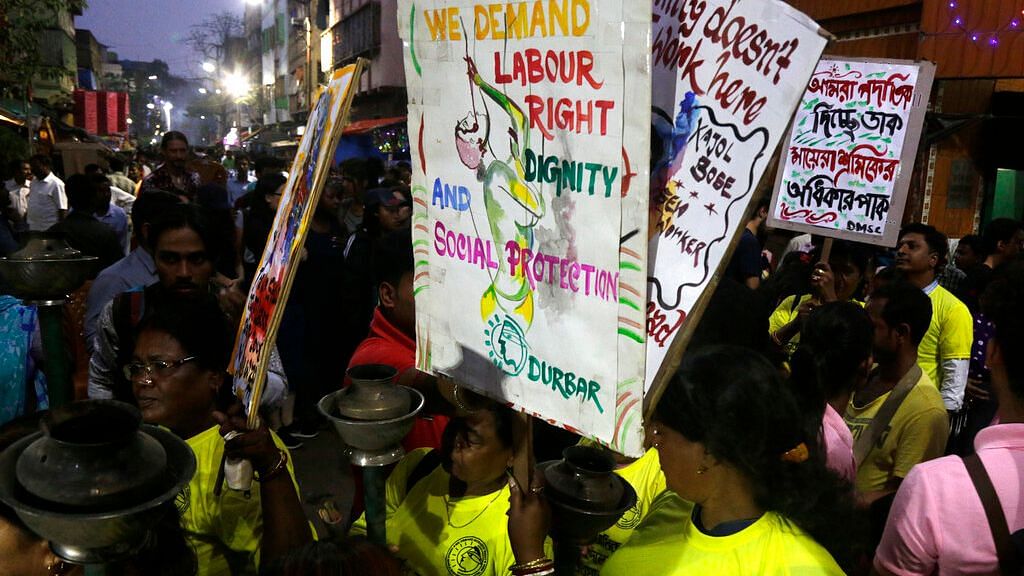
x,y
949,335
646,477
916,433
786,313
443,536
668,544
225,531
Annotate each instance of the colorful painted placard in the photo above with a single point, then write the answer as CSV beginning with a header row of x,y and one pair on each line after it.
x,y
529,131
272,281
727,77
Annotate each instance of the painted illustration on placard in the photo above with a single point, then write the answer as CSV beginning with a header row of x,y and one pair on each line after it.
x,y
513,206
528,238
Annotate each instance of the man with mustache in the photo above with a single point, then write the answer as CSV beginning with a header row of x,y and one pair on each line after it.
x,y
945,351
173,175
180,243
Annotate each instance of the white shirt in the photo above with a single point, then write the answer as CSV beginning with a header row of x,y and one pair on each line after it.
x,y
19,196
45,198
121,199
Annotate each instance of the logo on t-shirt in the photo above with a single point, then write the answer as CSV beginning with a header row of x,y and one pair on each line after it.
x,y
630,519
467,557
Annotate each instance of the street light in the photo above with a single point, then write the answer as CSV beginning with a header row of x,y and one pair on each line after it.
x,y
203,90
151,106
153,77
167,112
236,84
209,67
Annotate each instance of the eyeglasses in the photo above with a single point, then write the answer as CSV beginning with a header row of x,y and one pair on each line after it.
x,y
158,368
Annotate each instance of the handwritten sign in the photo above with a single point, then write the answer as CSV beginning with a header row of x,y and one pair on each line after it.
x,y
850,154
529,136
727,76
272,282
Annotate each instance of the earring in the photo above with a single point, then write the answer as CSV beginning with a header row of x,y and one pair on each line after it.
x,y
56,568
702,469
655,432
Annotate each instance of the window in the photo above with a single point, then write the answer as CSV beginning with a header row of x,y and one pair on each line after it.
x,y
357,34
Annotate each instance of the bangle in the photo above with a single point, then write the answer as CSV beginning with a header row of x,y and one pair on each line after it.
x,y
538,567
282,464
776,339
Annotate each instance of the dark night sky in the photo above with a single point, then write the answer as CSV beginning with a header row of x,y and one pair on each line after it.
x,y
148,29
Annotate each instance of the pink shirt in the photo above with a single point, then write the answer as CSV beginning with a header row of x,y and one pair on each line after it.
x,y
838,443
937,524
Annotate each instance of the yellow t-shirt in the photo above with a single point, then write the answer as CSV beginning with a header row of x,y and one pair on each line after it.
x,y
668,544
786,313
442,536
225,531
646,477
917,432
948,337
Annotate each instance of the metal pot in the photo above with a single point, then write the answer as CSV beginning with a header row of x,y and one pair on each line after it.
x,y
98,453
97,537
585,494
46,269
373,442
373,394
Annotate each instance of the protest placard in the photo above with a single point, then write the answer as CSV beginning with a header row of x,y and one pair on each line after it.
x,y
272,281
727,76
848,162
529,127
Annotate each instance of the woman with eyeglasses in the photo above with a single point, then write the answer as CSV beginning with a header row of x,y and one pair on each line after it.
x,y
178,379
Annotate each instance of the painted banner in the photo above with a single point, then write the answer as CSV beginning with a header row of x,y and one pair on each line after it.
x,y
727,76
851,150
272,281
529,129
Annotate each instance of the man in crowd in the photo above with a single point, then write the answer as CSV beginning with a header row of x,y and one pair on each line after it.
x,y
945,350
181,241
18,188
123,198
938,523
47,203
117,176
917,429
173,175
1001,243
238,183
392,338
135,270
108,212
81,229
746,264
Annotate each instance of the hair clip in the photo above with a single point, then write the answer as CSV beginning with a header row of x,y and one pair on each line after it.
x,y
796,455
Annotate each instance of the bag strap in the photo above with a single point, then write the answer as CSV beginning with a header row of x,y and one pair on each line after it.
x,y
431,460
883,417
1009,563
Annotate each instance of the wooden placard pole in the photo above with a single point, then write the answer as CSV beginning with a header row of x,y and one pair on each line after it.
x,y
826,250
522,458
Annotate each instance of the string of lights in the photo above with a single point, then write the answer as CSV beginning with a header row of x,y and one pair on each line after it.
x,y
991,37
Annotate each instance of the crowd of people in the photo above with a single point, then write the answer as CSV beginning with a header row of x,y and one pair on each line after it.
x,y
851,410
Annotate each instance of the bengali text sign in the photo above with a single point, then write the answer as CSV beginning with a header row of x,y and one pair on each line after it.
x,y
846,167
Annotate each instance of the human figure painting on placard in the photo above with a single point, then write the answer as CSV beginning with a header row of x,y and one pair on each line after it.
x,y
513,207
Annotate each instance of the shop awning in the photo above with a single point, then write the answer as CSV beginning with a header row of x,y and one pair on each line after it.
x,y
366,126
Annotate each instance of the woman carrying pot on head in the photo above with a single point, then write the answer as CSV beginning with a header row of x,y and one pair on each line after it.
x,y
748,491
837,280
178,378
446,510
